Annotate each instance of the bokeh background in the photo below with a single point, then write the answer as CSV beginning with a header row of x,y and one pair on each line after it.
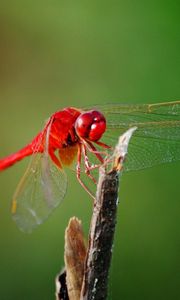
x,y
60,53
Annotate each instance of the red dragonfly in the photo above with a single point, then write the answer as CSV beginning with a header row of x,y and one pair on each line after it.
x,y
78,134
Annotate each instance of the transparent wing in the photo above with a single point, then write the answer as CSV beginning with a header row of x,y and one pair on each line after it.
x,y
157,139
40,190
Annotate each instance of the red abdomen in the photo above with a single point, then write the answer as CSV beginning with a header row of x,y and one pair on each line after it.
x,y
13,158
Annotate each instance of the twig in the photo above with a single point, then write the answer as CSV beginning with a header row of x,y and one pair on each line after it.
x,y
102,229
101,238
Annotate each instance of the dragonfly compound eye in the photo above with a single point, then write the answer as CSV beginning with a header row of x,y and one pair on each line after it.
x,y
90,125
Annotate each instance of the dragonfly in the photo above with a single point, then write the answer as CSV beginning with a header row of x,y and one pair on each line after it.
x,y
83,136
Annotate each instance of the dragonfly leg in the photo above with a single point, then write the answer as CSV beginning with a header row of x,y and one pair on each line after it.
x,y
97,153
103,145
88,167
78,171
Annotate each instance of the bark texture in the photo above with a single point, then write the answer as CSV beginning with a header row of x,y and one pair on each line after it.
x,y
95,284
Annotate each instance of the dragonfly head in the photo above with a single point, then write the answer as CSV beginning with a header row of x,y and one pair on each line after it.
x,y
90,125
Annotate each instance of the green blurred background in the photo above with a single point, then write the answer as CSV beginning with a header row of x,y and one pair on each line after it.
x,y
59,53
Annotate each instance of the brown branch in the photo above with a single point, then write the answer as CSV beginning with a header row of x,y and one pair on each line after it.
x,y
103,223
101,238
